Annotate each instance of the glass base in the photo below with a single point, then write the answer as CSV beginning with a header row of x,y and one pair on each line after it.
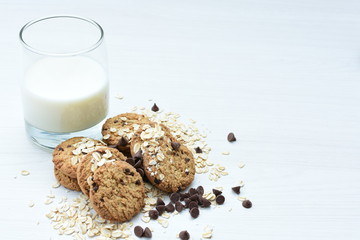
x,y
49,140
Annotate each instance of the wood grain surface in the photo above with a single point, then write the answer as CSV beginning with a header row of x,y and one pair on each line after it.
x,y
284,76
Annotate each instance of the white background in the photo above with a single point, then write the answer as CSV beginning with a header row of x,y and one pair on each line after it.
x,y
283,75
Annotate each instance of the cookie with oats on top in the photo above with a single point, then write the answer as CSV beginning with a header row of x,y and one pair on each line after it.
x,y
91,161
168,164
69,153
118,131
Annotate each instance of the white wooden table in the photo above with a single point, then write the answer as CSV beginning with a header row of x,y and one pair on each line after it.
x,y
283,75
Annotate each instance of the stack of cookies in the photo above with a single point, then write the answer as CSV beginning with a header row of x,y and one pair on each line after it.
x,y
112,172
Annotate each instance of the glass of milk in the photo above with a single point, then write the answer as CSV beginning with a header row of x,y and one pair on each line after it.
x,y
65,86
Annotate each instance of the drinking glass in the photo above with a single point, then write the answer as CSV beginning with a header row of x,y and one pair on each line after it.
x,y
65,86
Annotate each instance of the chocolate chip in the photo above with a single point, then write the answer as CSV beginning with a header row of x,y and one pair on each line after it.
x,y
68,146
194,212
198,150
157,181
122,182
179,206
95,187
204,202
231,137
236,189
160,209
147,233
220,199
187,201
153,214
193,204
155,108
159,201
200,190
138,163
140,171
216,192
184,235
194,197
127,171
247,204
60,149
187,160
183,196
175,145
138,155
130,161
193,191
138,230
122,142
174,197
116,121
138,182
170,207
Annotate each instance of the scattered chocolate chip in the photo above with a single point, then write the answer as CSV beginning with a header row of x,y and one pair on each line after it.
x,y
174,197
247,204
175,145
140,171
184,235
198,150
217,192
153,214
193,204
127,171
116,121
236,189
160,209
95,187
122,142
170,207
122,182
193,191
130,161
194,212
157,181
194,197
187,160
68,146
138,182
200,190
147,233
183,196
231,137
159,201
204,202
155,108
220,199
138,155
138,230
60,149
179,206
187,201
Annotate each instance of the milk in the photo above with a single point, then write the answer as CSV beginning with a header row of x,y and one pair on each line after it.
x,y
65,94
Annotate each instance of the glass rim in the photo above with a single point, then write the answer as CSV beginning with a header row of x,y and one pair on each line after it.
x,y
72,53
